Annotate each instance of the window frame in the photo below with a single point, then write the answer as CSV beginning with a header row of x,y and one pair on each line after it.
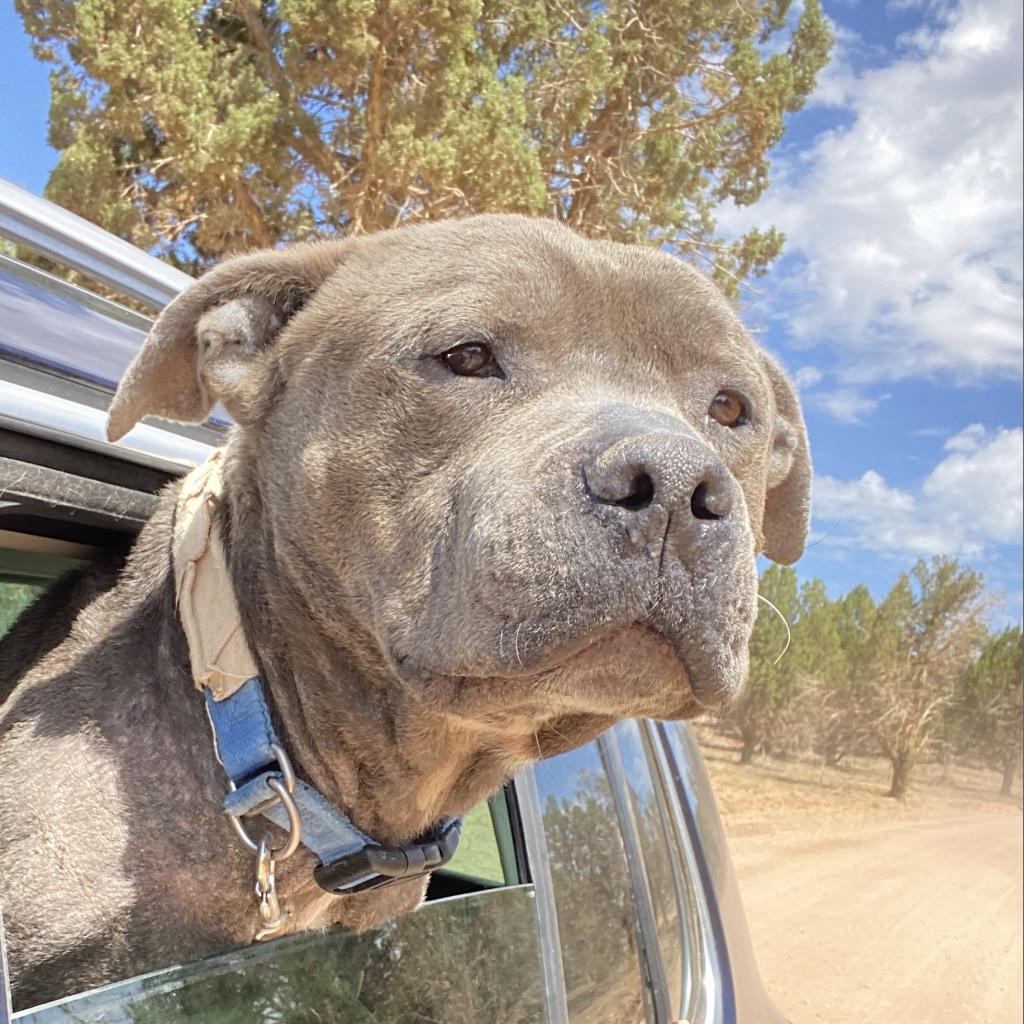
x,y
5,989
716,1001
718,965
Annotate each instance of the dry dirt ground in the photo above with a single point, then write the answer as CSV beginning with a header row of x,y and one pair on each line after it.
x,y
865,909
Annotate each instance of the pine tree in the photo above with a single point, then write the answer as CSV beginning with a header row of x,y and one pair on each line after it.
x,y
928,629
196,128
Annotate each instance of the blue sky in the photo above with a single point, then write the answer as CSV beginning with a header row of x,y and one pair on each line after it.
x,y
897,305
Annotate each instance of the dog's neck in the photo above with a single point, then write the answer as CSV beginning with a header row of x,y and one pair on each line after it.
x,y
389,759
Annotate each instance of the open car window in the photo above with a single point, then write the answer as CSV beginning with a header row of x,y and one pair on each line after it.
x,y
457,961
488,853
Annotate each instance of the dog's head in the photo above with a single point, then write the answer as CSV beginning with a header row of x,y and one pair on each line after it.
x,y
536,469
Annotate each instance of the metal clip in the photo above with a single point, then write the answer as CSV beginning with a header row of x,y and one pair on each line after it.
x,y
272,914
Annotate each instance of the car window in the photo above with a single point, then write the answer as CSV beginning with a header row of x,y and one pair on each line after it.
x,y
486,859
457,961
662,867
486,854
593,896
707,980
24,576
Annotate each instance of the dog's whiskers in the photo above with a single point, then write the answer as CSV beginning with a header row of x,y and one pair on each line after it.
x,y
516,642
789,632
536,743
648,612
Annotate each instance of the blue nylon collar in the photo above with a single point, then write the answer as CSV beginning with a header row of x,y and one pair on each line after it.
x,y
244,737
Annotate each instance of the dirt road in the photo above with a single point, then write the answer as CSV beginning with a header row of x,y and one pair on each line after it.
x,y
863,908
909,922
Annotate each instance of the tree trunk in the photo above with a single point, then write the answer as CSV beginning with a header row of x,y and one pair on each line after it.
x,y
749,749
902,765
1009,770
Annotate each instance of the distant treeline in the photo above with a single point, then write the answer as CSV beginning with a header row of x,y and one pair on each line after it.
x,y
864,677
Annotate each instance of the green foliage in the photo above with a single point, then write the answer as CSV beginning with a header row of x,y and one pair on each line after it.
x,y
989,712
860,676
928,629
845,678
196,128
771,695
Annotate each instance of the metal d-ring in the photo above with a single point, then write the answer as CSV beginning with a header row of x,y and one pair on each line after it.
x,y
282,789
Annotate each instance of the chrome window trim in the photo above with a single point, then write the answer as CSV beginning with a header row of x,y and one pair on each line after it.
x,y
653,969
686,904
73,241
532,818
708,975
5,990
60,419
721,974
75,293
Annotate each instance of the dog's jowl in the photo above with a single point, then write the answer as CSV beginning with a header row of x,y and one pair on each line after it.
x,y
492,487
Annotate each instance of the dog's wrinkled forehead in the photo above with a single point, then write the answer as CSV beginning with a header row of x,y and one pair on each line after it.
x,y
538,290
527,271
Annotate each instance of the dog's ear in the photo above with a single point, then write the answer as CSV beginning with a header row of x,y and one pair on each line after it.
x,y
787,505
212,341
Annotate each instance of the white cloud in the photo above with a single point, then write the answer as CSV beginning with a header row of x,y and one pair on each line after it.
x,y
968,440
807,377
979,487
970,502
844,405
906,221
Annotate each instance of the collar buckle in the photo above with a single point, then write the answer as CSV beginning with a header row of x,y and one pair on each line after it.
x,y
373,866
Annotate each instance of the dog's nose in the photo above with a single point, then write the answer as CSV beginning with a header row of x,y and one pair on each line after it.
x,y
677,472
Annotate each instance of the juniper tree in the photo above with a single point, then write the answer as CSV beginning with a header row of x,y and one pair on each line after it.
x,y
844,722
774,686
196,128
989,708
927,631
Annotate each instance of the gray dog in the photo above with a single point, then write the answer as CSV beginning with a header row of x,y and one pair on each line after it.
x,y
492,488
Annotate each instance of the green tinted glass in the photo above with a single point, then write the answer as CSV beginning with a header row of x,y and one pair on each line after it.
x,y
486,852
457,961
24,575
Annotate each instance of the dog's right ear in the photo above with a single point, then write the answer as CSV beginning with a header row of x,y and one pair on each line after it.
x,y
210,343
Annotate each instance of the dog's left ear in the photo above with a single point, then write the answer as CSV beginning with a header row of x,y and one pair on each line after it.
x,y
787,504
213,341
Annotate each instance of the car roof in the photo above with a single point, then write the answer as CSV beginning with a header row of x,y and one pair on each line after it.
x,y
64,348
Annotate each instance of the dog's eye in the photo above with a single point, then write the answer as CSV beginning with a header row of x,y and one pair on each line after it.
x,y
473,359
728,409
